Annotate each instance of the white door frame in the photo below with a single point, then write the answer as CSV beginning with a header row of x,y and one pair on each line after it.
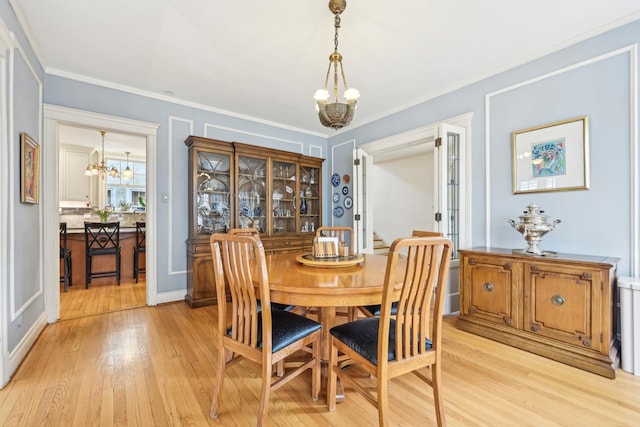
x,y
423,135
53,116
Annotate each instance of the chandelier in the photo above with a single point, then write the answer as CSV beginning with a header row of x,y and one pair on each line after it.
x,y
127,173
336,114
100,168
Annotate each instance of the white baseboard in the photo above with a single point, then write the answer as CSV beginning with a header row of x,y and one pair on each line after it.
x,y
20,352
171,296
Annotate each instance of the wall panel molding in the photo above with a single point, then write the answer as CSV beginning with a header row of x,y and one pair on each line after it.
x,y
631,52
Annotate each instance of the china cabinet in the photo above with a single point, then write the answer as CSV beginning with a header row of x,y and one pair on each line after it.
x,y
561,307
236,185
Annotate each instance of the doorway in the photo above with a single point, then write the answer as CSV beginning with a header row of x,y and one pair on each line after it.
x,y
441,204
59,116
81,193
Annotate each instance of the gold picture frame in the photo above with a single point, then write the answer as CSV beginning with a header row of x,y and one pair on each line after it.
x,y
551,157
29,169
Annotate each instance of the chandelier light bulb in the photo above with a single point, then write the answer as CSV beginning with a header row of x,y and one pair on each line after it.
x,y
351,94
321,95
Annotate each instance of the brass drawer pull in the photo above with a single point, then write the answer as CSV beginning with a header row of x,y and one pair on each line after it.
x,y
488,286
558,300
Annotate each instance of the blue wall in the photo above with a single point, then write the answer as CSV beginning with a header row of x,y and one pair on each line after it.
x,y
176,122
598,78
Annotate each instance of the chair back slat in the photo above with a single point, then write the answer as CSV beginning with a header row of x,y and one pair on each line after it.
x,y
239,261
102,235
421,297
344,234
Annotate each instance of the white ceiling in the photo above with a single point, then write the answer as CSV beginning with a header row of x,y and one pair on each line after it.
x,y
265,59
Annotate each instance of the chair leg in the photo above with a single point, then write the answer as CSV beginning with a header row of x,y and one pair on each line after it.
x,y
383,402
70,271
436,380
66,262
118,266
135,264
267,371
333,378
217,388
87,273
316,371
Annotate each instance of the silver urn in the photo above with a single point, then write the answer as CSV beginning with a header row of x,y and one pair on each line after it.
x,y
533,225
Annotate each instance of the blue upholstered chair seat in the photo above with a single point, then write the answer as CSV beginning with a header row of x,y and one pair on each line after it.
x,y
362,336
277,306
287,328
375,309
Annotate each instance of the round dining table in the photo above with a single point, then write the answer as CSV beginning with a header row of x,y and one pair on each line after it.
x,y
326,288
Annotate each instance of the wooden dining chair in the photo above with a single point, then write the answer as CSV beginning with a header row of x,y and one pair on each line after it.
x,y
344,234
387,347
263,336
374,310
253,232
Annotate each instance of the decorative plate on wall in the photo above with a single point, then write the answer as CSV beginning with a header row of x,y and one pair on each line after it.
x,y
335,179
336,197
345,190
348,202
338,211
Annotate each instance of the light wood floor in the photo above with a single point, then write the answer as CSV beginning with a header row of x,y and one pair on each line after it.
x,y
154,366
103,296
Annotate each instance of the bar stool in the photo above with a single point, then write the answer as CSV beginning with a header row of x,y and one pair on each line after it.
x,y
139,249
65,256
101,238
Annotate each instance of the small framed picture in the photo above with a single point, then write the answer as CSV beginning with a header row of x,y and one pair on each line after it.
x,y
551,157
29,169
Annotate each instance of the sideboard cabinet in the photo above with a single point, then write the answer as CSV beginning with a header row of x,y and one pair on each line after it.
x,y
561,307
236,185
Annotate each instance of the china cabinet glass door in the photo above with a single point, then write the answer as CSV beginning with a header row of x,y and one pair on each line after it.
x,y
284,197
309,199
213,192
252,201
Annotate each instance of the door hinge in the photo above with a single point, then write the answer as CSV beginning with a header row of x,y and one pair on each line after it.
x,y
356,217
438,216
356,162
438,141
601,337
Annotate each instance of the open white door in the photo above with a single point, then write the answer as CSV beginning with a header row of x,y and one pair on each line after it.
x,y
450,201
448,183
362,210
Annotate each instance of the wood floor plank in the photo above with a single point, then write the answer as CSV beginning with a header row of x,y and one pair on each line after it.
x,y
156,366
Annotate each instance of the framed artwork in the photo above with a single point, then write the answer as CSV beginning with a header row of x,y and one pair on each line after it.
x,y
551,157
29,169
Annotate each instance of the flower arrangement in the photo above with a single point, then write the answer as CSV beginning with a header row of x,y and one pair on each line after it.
x,y
104,213
124,206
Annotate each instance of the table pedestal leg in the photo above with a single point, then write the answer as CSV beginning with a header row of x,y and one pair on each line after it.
x,y
327,317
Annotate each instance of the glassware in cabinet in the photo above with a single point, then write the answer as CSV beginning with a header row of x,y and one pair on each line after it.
x,y
213,192
284,187
310,203
252,201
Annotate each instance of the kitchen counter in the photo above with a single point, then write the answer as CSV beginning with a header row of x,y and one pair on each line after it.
x,y
75,221
75,242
